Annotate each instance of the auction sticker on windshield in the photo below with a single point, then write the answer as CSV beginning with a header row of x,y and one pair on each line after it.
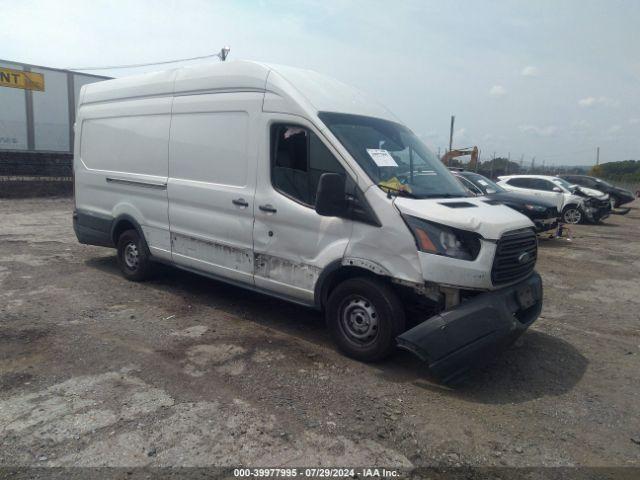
x,y
381,157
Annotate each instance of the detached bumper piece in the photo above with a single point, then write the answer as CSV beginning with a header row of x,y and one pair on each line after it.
x,y
472,333
545,225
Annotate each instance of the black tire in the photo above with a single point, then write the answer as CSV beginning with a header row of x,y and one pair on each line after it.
x,y
572,214
364,316
134,258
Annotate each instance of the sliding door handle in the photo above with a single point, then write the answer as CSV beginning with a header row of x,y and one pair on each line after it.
x,y
267,208
241,202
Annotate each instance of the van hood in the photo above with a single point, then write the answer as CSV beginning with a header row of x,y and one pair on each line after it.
x,y
477,214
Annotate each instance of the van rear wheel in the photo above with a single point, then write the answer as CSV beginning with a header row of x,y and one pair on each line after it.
x,y
365,316
134,257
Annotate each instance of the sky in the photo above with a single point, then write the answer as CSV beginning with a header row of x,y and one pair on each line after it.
x,y
550,79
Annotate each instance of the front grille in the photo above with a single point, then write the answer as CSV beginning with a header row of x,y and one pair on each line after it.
x,y
509,263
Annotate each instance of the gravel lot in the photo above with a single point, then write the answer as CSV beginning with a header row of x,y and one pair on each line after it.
x,y
183,370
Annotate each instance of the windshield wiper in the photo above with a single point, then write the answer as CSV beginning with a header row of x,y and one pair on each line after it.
x,y
397,192
443,195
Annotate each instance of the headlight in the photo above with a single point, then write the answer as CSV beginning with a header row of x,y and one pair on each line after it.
x,y
443,240
534,208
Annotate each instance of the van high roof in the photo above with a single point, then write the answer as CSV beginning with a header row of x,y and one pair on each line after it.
x,y
305,90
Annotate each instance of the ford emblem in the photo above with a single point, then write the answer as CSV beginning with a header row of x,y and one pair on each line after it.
x,y
524,257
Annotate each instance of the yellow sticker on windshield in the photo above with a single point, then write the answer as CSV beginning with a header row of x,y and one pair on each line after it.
x,y
395,185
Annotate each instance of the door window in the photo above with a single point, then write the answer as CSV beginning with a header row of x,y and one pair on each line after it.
x,y
521,182
544,185
299,158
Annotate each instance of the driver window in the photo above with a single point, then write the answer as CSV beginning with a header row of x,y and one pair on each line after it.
x,y
299,158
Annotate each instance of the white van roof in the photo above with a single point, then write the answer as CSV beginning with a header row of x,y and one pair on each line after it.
x,y
287,88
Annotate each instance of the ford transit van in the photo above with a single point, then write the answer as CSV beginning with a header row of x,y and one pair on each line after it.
x,y
295,185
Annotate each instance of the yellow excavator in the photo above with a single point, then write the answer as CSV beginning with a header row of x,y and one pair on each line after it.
x,y
461,152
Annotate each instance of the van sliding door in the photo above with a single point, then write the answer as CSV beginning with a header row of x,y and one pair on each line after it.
x,y
212,168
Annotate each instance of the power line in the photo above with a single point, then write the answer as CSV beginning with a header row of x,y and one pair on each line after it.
x,y
222,55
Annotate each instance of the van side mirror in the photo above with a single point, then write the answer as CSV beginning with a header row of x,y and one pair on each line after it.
x,y
557,189
331,198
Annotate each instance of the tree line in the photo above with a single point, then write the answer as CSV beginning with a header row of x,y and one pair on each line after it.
x,y
623,171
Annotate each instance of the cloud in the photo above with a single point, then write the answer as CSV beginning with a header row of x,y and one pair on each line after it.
x,y
547,131
588,102
530,71
614,129
497,91
582,124
580,127
634,121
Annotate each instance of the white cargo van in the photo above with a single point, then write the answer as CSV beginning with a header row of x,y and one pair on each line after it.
x,y
295,185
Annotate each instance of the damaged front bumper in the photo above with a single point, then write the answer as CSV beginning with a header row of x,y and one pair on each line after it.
x,y
595,215
473,332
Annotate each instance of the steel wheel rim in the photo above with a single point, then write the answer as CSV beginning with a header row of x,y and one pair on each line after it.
x,y
131,257
572,216
359,320
612,201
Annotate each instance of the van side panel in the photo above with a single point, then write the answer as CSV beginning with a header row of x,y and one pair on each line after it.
x,y
122,165
211,185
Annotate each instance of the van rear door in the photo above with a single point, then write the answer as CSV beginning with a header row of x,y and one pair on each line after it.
x,y
211,186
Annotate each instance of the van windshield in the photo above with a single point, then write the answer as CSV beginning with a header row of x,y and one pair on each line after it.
x,y
393,157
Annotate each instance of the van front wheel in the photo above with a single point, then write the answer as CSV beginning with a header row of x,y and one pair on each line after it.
x,y
364,316
133,256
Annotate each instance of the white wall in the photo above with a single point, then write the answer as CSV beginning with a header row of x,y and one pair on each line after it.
x,y
51,112
13,116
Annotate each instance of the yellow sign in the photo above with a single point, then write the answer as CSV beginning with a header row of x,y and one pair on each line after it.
x,y
20,79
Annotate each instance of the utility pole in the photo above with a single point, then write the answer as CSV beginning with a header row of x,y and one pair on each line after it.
x,y
598,156
478,160
533,164
493,160
453,120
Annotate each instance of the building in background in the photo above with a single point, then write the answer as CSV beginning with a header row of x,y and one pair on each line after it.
x,y
38,116
37,113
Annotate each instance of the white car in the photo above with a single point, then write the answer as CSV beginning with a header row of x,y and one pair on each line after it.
x,y
298,186
575,203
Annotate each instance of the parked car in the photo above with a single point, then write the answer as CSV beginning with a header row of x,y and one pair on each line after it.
x,y
290,183
544,214
576,204
617,196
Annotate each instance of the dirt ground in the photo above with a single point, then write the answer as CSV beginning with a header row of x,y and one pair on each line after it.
x,y
182,370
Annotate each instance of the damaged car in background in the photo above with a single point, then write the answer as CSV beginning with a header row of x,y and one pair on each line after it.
x,y
577,204
617,196
544,214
